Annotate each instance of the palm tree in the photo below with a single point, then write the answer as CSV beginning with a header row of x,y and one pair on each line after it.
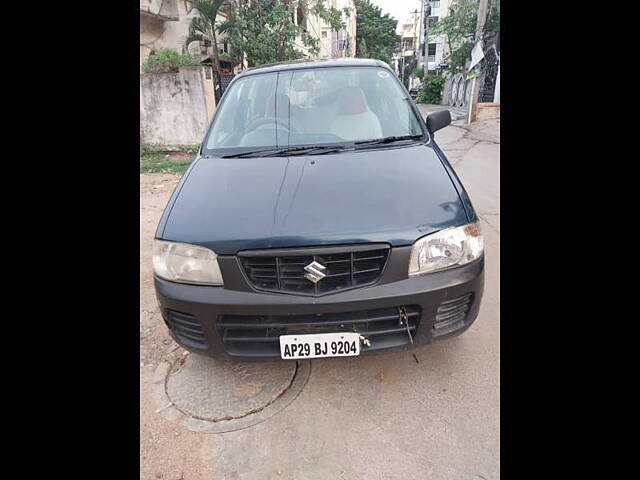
x,y
203,27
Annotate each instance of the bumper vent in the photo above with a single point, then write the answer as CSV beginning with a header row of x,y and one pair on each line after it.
x,y
451,314
187,328
260,335
345,268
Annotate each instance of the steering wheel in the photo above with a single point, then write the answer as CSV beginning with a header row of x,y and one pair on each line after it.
x,y
261,122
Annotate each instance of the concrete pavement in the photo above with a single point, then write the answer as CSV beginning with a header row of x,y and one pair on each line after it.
x,y
458,114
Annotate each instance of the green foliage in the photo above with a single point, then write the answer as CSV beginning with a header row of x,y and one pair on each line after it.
x,y
203,27
459,27
168,60
166,159
375,33
264,30
418,72
332,16
148,148
431,90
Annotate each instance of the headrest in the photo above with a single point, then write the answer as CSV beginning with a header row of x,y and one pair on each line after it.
x,y
352,101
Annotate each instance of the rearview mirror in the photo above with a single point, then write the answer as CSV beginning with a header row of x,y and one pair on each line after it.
x,y
437,120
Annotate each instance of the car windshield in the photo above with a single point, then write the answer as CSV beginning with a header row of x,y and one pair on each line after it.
x,y
311,107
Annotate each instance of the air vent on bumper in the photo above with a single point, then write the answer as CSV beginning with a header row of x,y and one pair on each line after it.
x,y
452,314
187,328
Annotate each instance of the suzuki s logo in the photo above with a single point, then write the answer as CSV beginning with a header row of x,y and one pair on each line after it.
x,y
315,272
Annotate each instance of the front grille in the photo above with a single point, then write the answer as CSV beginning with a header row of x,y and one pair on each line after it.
x,y
451,314
260,334
187,328
346,268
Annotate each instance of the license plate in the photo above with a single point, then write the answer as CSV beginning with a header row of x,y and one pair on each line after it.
x,y
319,345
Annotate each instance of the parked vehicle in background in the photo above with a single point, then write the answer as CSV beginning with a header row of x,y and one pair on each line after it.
x,y
320,218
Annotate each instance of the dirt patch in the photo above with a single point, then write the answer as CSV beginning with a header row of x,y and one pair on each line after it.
x,y
166,448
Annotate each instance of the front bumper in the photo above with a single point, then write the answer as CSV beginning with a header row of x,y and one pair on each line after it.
x,y
198,309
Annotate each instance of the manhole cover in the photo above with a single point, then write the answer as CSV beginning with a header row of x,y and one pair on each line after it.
x,y
216,396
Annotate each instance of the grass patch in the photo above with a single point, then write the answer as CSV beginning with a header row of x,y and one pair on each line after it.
x,y
164,159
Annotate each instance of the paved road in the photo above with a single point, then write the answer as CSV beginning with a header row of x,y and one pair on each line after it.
x,y
373,417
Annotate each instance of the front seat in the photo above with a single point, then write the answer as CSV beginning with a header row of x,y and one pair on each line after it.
x,y
354,121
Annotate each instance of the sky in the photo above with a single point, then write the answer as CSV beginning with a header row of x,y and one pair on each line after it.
x,y
398,9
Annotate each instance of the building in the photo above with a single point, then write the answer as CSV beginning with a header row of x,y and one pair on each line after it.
x,y
405,57
433,48
409,35
165,24
332,44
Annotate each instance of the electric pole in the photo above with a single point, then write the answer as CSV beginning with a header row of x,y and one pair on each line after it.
x,y
419,55
427,14
483,8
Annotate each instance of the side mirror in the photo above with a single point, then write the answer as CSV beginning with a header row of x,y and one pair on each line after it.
x,y
437,120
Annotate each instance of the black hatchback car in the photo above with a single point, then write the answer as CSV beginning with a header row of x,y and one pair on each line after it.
x,y
318,219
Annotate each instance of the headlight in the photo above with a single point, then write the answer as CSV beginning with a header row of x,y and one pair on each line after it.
x,y
181,262
447,248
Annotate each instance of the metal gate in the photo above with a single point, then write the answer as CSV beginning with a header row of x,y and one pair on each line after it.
x,y
459,91
490,73
220,83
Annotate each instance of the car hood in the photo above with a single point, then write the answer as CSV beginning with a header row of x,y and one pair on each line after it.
x,y
392,195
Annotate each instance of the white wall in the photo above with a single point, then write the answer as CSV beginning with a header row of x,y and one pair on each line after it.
x,y
175,108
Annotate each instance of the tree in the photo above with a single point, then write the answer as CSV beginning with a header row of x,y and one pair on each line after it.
x,y
203,27
263,31
459,28
375,33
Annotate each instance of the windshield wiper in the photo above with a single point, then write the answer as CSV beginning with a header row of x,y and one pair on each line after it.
x,y
381,141
275,152
318,150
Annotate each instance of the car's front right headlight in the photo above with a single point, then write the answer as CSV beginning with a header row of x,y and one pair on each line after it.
x,y
447,248
186,263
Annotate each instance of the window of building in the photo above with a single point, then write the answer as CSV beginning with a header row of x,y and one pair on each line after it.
x,y
431,52
301,18
407,43
324,34
432,21
435,3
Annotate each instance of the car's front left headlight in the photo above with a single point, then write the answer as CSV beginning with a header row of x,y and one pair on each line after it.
x,y
185,263
445,249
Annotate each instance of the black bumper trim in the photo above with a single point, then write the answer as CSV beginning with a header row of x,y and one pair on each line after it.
x,y
207,304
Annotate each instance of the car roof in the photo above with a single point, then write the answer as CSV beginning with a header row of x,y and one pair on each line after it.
x,y
303,64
